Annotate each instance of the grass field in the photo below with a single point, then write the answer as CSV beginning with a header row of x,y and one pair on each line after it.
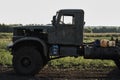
x,y
67,62
89,37
5,57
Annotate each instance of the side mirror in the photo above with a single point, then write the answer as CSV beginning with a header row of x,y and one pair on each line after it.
x,y
54,20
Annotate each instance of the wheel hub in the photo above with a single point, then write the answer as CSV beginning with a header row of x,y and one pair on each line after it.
x,y
26,62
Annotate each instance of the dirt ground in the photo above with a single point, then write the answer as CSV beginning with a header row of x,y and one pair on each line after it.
x,y
7,73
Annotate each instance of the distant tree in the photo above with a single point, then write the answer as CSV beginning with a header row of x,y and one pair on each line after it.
x,y
88,30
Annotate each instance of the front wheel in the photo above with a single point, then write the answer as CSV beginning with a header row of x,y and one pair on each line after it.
x,y
27,61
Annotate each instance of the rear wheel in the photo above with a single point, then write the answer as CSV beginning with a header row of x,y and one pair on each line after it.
x,y
27,61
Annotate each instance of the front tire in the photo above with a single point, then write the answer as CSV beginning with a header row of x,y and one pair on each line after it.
x,y
27,61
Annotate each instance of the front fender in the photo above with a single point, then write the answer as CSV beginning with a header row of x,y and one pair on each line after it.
x,y
32,39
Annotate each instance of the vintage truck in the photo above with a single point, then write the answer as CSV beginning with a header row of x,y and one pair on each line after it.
x,y
34,46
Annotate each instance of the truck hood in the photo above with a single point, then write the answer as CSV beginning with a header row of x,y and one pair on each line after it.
x,y
34,27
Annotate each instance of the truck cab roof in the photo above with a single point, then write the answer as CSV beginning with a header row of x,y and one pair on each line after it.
x,y
71,10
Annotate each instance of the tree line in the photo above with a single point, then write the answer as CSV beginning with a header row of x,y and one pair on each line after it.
x,y
102,29
87,29
8,28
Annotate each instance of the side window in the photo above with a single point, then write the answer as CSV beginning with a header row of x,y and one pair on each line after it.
x,y
68,20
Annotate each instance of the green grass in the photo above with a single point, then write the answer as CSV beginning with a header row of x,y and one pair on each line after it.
x,y
5,35
90,37
101,34
5,56
80,63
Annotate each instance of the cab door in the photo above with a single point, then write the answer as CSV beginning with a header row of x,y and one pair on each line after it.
x,y
66,30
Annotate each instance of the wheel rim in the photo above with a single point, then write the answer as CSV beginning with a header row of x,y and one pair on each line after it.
x,y
25,62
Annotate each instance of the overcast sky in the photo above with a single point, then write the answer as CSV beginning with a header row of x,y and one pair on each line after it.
x,y
97,12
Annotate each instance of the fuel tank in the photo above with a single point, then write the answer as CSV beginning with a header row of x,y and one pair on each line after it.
x,y
92,52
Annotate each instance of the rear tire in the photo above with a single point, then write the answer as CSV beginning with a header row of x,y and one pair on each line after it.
x,y
27,61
